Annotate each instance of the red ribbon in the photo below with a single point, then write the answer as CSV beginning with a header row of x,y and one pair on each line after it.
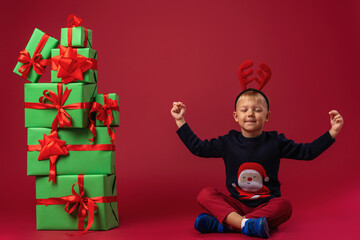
x,y
36,62
70,66
79,147
51,147
84,204
74,21
104,114
62,118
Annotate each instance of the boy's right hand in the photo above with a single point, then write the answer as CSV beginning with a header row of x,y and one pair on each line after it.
x,y
178,112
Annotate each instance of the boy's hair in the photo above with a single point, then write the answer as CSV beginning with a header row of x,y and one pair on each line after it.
x,y
252,93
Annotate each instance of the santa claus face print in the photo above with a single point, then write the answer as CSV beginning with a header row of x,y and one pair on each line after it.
x,y
250,181
251,177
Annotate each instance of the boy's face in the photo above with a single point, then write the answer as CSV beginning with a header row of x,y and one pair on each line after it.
x,y
251,115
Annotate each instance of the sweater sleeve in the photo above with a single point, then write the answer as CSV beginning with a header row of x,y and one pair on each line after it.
x,y
304,151
198,147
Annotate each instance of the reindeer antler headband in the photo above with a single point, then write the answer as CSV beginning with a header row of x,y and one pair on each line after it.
x,y
264,73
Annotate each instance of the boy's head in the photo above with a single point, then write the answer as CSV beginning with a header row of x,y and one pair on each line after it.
x,y
251,112
252,93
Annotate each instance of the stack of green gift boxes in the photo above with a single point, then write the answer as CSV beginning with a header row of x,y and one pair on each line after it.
x,y
71,140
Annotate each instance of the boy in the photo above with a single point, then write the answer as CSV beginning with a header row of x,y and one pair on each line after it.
x,y
252,159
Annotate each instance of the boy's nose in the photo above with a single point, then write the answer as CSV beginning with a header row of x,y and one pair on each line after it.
x,y
249,179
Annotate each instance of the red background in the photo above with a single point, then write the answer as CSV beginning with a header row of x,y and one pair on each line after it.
x,y
152,53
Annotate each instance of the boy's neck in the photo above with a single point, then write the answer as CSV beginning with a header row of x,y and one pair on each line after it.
x,y
251,134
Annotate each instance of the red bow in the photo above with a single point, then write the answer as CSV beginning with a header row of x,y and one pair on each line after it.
x,y
74,21
104,114
84,204
51,148
70,66
62,118
264,72
36,62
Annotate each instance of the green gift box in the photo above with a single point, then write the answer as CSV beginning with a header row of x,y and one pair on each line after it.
x,y
80,38
99,98
76,104
100,189
79,157
37,40
89,76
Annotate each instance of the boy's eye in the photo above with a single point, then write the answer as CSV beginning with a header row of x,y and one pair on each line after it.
x,y
243,110
258,110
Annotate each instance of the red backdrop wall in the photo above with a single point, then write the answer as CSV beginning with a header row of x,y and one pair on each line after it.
x,y
152,53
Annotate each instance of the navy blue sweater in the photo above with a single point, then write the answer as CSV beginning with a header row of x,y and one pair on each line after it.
x,y
266,150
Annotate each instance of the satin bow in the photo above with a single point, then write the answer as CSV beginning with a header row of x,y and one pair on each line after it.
x,y
36,62
104,114
62,118
74,21
51,148
70,66
84,204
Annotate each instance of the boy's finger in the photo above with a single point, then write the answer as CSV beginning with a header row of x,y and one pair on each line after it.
x,y
337,119
181,105
333,112
176,107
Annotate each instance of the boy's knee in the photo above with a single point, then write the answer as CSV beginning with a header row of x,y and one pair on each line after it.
x,y
284,208
285,204
205,194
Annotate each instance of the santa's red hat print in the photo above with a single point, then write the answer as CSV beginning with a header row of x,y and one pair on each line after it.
x,y
251,176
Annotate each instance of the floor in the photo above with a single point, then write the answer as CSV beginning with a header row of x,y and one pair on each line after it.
x,y
181,227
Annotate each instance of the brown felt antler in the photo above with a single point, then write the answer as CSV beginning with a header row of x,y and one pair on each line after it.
x,y
264,73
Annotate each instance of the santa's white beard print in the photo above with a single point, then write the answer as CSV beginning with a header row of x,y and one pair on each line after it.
x,y
250,182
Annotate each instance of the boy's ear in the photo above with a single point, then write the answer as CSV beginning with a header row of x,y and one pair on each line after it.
x,y
235,116
268,116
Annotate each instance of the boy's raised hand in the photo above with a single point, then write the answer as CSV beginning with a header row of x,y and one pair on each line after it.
x,y
178,112
336,121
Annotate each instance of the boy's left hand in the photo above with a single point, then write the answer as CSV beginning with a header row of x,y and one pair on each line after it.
x,y
336,121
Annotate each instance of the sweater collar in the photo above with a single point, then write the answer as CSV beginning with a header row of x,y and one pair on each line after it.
x,y
253,139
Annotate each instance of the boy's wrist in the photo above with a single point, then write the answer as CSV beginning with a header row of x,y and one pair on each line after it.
x,y
333,133
180,122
